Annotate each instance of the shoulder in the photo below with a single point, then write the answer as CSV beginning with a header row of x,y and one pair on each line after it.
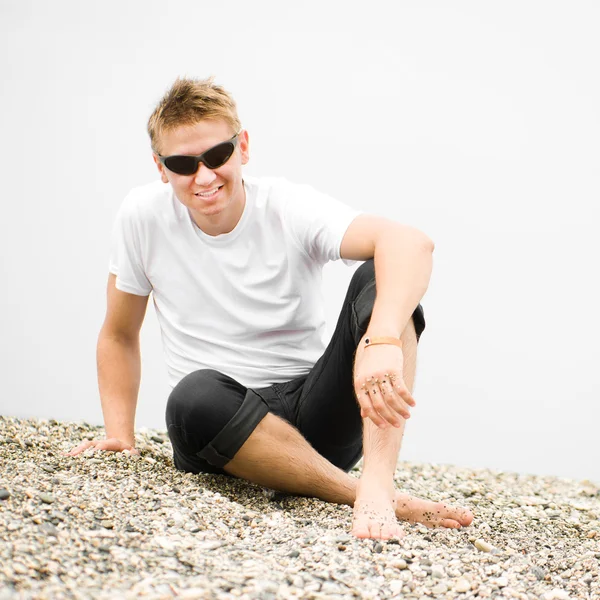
x,y
148,195
279,191
269,193
289,196
270,185
144,201
305,198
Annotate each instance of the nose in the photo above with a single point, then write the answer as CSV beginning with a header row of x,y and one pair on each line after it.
x,y
204,175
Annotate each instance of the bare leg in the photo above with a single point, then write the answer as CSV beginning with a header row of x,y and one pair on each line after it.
x,y
277,456
375,504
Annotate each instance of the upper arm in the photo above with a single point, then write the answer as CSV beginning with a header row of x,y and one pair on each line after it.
x,y
362,234
124,313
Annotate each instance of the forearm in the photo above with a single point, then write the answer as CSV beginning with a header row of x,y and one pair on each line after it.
x,y
402,271
119,373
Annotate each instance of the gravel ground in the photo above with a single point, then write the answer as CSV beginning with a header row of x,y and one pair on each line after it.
x,y
113,526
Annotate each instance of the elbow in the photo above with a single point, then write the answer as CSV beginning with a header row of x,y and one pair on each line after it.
x,y
411,236
427,243
422,240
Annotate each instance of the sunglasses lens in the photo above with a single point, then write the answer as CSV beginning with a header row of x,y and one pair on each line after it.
x,y
183,165
219,155
213,158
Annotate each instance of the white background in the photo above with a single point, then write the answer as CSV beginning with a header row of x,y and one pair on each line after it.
x,y
476,122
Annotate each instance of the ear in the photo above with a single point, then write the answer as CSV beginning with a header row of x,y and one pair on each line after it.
x,y
161,169
244,147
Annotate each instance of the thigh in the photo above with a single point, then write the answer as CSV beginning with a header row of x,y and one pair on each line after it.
x,y
325,407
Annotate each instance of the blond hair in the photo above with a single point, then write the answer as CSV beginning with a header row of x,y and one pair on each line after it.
x,y
188,102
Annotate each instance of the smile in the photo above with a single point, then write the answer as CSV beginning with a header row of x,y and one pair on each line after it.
x,y
208,194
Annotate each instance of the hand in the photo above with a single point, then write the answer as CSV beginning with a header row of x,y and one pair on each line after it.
x,y
110,445
379,385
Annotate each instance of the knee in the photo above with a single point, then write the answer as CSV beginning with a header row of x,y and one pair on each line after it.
x,y
363,291
197,395
364,275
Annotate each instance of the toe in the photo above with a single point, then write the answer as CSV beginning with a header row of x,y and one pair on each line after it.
x,y
375,530
444,511
360,530
466,517
392,531
450,523
387,531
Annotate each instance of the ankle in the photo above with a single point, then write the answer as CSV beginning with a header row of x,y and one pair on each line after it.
x,y
377,477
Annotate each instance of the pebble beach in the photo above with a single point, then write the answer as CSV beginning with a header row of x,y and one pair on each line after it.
x,y
118,526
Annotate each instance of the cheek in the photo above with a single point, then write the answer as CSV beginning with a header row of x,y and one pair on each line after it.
x,y
234,173
182,183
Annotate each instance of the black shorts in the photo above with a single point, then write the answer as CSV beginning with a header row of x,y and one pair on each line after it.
x,y
210,415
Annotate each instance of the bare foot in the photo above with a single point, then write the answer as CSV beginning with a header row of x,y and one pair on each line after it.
x,y
432,514
374,511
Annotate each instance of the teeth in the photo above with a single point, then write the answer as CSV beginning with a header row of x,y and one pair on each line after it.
x,y
206,194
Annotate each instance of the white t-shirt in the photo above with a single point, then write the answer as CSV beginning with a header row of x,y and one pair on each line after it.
x,y
247,303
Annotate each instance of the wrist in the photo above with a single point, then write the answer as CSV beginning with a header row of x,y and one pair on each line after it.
x,y
382,339
125,439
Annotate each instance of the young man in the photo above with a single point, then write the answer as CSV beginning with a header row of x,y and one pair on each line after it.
x,y
235,265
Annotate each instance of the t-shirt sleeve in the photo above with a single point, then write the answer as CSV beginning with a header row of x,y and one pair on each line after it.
x,y
317,221
126,260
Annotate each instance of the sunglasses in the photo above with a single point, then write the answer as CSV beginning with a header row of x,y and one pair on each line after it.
x,y
213,158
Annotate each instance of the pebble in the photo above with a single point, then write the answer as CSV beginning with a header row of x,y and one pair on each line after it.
x,y
440,588
483,546
330,588
556,594
462,585
175,534
49,529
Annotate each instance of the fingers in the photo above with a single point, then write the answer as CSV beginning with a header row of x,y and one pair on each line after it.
x,y
110,445
401,392
82,447
371,405
380,394
379,414
395,400
385,399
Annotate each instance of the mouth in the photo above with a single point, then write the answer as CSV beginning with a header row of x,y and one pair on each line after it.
x,y
209,193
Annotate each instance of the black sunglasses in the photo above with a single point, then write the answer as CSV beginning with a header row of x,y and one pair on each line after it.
x,y
213,158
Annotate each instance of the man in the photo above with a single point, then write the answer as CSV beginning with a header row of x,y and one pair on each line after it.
x,y
235,264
